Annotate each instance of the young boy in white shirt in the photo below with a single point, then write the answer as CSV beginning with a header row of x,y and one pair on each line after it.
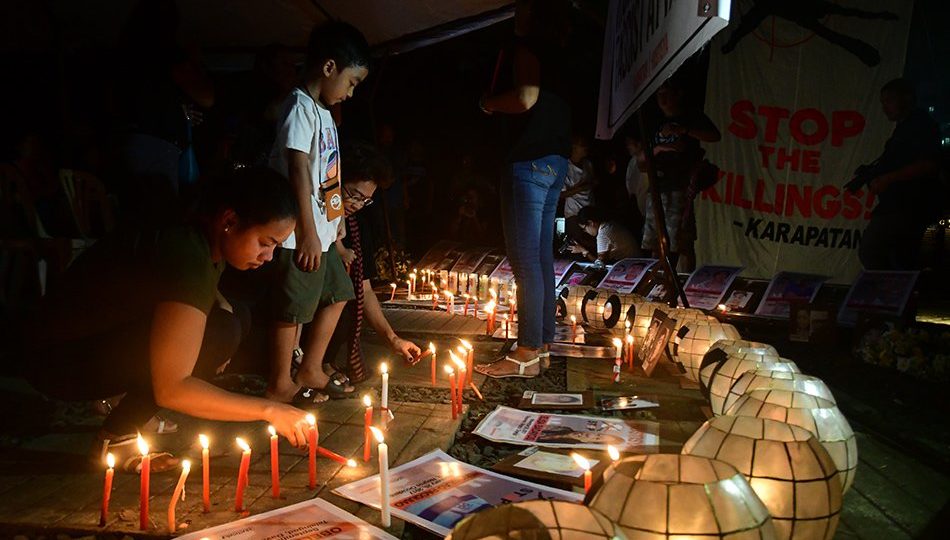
x,y
308,273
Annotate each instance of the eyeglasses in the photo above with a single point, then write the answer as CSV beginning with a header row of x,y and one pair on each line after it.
x,y
358,196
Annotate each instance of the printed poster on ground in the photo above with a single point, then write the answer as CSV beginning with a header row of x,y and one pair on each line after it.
x,y
315,518
706,286
436,491
788,288
514,426
625,275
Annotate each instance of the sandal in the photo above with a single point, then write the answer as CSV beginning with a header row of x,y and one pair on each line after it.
x,y
129,460
164,426
309,396
483,369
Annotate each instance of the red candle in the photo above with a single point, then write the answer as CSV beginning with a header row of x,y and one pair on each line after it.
x,y
274,463
242,479
504,320
312,420
451,374
392,295
573,329
107,490
368,421
584,464
326,452
435,297
143,484
465,307
432,350
469,352
630,351
205,474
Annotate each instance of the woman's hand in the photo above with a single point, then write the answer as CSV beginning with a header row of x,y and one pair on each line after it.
x,y
408,349
290,422
577,249
348,256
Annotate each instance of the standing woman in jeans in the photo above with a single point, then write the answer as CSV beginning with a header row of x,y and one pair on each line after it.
x,y
535,103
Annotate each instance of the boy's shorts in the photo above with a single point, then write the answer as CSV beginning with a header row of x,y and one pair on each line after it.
x,y
674,206
297,294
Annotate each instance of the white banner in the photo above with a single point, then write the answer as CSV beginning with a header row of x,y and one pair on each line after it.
x,y
794,88
644,44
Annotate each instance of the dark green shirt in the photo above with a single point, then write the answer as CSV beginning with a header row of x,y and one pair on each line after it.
x,y
120,280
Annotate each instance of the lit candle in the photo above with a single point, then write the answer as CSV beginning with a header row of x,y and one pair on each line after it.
x,y
475,305
451,374
504,320
242,480
205,474
408,290
618,347
449,302
489,317
469,359
107,489
392,295
274,463
384,396
383,452
312,450
432,362
465,307
179,493
626,327
327,453
573,329
143,484
459,379
512,308
435,296
584,464
613,452
412,278
367,422
723,308
630,351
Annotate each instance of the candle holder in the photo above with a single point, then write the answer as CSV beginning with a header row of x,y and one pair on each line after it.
x,y
786,466
819,416
535,519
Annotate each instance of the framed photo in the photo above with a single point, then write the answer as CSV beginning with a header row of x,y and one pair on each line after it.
x,y
654,344
548,400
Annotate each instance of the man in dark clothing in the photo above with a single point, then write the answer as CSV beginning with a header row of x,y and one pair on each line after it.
x,y
906,184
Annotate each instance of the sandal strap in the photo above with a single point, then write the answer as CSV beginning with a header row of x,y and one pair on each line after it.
x,y
523,365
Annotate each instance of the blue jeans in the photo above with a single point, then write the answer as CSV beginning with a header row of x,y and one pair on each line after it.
x,y
528,201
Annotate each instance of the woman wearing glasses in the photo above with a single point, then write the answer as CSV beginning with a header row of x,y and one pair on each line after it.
x,y
366,170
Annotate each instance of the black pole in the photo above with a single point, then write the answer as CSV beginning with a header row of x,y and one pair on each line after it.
x,y
659,215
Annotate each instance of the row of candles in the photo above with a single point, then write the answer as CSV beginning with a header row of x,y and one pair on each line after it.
x,y
490,307
243,470
454,282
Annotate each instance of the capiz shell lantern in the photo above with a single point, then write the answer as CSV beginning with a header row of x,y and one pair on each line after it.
x,y
727,373
724,349
788,468
535,519
665,496
767,379
694,339
817,415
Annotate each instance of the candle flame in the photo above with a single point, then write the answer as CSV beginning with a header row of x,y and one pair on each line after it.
x,y
432,347
412,275
272,430
203,441
311,419
490,306
617,342
448,294
143,446
456,361
367,401
581,461
434,288
629,339
573,319
461,349
186,465
110,460
465,296
377,434
243,444
722,307
466,344
493,294
613,452
449,370
626,324
351,463
383,368
393,285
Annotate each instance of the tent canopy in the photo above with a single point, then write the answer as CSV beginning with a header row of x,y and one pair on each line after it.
x,y
240,26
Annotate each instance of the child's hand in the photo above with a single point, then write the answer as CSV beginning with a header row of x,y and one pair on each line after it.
x,y
308,252
348,256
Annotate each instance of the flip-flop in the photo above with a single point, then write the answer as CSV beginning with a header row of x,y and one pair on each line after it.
x,y
310,396
165,426
521,369
125,450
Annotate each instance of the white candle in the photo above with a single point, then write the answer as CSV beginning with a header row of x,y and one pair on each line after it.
x,y
384,399
383,452
613,452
